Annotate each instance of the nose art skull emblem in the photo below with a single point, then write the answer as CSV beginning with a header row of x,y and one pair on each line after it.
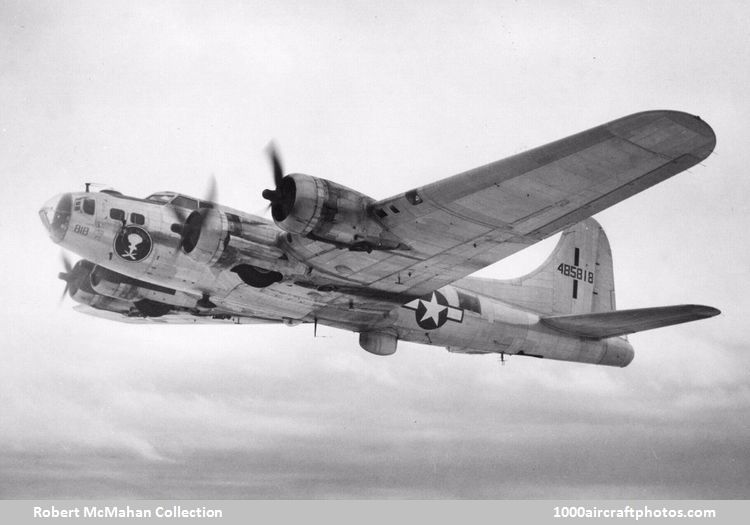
x,y
133,243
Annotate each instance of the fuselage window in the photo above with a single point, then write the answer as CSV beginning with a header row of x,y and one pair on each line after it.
x,y
116,214
137,218
469,302
89,206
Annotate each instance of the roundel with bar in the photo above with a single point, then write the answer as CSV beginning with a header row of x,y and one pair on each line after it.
x,y
432,311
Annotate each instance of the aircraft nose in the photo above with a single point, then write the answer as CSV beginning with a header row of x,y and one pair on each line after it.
x,y
55,215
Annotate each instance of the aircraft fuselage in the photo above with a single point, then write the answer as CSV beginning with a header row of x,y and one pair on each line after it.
x,y
141,239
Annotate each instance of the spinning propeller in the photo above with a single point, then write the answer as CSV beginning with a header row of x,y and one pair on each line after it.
x,y
191,222
281,201
74,275
67,275
281,198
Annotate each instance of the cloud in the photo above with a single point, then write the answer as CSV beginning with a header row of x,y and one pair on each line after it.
x,y
327,420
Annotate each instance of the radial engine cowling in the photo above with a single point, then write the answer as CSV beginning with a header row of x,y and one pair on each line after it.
x,y
80,290
206,235
215,237
329,212
118,286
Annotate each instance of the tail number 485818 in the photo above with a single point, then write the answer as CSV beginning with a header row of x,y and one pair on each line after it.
x,y
576,272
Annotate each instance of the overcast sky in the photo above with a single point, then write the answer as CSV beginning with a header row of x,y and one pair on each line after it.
x,y
382,97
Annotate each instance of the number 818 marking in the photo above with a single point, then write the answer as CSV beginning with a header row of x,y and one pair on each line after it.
x,y
576,273
81,230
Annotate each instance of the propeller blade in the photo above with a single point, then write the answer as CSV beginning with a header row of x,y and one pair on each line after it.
x,y
275,195
66,276
211,191
66,262
65,292
283,196
260,212
278,170
180,215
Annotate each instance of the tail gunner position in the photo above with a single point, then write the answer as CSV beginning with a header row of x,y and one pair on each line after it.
x,y
397,268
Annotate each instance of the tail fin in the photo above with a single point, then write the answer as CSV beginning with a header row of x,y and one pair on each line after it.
x,y
577,278
574,290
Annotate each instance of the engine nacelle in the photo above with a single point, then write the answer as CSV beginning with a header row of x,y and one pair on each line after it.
x,y
103,289
81,291
217,238
112,284
206,236
329,212
100,302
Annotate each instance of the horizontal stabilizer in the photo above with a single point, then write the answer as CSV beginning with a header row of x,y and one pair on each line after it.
x,y
622,322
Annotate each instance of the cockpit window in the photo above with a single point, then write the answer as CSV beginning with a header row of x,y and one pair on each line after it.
x,y
178,200
185,202
160,197
89,206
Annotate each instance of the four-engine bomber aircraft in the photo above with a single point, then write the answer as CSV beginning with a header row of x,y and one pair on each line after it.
x,y
397,268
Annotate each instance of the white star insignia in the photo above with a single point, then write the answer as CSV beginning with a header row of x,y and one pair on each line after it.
x,y
433,309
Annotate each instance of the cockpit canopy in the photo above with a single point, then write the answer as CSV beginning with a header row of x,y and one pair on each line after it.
x,y
175,199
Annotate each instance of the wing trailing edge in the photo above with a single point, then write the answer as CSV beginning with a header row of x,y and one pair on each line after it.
x,y
621,322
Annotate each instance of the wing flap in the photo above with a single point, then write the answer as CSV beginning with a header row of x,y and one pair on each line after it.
x,y
622,322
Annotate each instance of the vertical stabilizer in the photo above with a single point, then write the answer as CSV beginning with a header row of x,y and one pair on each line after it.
x,y
577,278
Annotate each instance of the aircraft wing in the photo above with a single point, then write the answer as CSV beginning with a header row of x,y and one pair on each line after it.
x,y
171,318
460,224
